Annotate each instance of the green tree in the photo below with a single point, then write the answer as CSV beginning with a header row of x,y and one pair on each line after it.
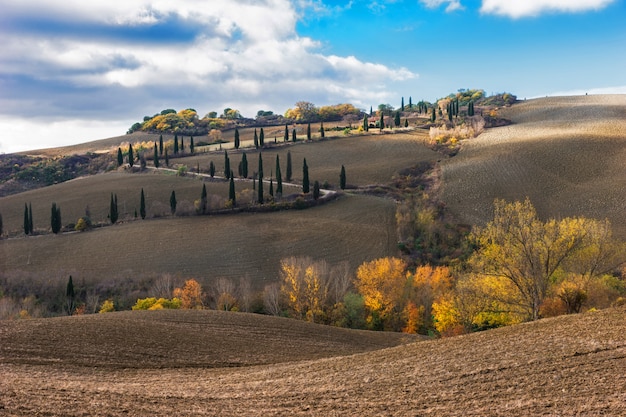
x,y
203,200
120,157
30,218
55,218
279,177
308,131
262,138
293,135
237,140
396,119
256,140
173,202
271,186
305,177
342,178
286,133
226,165
244,165
167,159
433,115
322,129
316,190
26,220
131,156
142,205
366,124
231,192
192,146
211,169
382,120
70,297
402,106
156,156
175,144
288,173
406,122
182,144
160,145
260,187
113,214
410,103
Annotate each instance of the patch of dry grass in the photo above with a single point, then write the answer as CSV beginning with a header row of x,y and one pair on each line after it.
x,y
572,365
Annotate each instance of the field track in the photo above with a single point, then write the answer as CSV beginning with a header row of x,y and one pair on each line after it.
x,y
570,365
566,153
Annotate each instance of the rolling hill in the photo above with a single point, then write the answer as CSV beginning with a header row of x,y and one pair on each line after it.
x,y
200,363
566,153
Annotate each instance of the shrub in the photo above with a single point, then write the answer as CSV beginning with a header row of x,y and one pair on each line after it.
x,y
107,307
84,223
152,303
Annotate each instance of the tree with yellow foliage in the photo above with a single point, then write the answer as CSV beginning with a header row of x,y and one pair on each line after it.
x,y
190,295
305,284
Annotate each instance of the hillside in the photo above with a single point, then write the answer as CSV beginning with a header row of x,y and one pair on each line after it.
x,y
566,153
166,363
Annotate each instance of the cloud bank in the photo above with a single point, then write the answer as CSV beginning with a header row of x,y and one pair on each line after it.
x,y
530,8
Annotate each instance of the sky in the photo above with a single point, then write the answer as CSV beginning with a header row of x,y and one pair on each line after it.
x,y
73,71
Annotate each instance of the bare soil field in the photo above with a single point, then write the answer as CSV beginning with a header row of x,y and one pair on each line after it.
x,y
566,153
135,364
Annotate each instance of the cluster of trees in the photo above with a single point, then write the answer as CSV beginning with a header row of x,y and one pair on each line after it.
x,y
305,111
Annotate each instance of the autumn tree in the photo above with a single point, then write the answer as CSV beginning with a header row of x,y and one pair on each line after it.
x,y
190,295
381,283
530,254
305,177
305,284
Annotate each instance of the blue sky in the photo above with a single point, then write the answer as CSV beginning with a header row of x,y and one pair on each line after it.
x,y
75,71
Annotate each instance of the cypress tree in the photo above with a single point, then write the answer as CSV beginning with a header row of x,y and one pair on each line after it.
x,y
192,147
279,178
26,222
293,135
433,116
120,158
1,225
161,145
271,186
260,187
131,156
142,205
288,174
226,165
240,169
371,111
342,178
406,122
382,120
211,169
244,165
262,138
231,192
308,132
402,105
203,200
173,202
167,159
305,177
70,296
322,129
410,103
366,124
286,133
30,218
396,120
175,144
55,218
182,144
237,141
113,215
156,156
256,140
316,190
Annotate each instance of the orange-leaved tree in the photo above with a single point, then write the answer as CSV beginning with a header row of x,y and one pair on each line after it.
x,y
190,295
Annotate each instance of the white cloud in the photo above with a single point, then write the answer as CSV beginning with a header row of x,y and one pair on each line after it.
x,y
598,90
526,8
452,5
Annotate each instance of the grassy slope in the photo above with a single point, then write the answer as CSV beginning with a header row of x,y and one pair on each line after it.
x,y
565,153
571,365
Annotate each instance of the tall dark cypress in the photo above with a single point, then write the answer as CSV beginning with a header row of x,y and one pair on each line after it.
x,y
410,103
288,173
120,157
237,140
396,120
113,215
70,296
26,222
342,178
182,144
262,138
366,123
192,146
244,165
305,177
271,186
308,132
161,145
175,144
293,135
156,156
402,105
382,120
316,190
30,218
203,200
231,192
260,187
173,202
256,140
279,177
322,129
226,165
211,169
142,205
55,218
286,133
131,156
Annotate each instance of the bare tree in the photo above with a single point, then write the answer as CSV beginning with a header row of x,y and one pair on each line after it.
x,y
340,281
224,291
162,287
245,294
271,299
